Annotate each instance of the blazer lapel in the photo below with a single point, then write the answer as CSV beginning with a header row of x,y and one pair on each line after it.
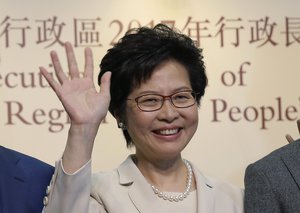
x,y
143,197
19,174
11,163
291,159
13,187
139,190
205,192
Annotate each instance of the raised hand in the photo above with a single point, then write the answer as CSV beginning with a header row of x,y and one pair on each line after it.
x,y
289,137
78,94
85,106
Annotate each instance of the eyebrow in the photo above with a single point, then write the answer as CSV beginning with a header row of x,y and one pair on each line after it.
x,y
148,92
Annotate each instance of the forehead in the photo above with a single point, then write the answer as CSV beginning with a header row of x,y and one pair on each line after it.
x,y
169,76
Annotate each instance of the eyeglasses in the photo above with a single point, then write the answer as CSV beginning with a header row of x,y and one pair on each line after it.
x,y
153,102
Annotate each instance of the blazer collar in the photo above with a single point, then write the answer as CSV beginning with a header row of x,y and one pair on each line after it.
x,y
139,190
291,160
205,192
11,161
142,196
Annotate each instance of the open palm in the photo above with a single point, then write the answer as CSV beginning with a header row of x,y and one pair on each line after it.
x,y
77,93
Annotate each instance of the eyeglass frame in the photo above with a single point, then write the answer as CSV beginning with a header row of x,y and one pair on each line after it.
x,y
164,97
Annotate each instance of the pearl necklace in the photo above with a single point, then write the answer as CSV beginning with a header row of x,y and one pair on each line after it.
x,y
182,195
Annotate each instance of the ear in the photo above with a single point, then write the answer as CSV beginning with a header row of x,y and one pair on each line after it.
x,y
118,120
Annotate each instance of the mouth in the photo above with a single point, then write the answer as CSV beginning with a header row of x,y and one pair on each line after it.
x,y
167,131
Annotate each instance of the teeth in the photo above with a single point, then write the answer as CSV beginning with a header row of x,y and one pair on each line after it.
x,y
168,131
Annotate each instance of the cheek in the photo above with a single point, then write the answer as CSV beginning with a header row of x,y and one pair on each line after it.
x,y
137,119
139,128
192,118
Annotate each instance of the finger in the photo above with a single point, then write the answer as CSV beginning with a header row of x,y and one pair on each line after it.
x,y
289,138
105,84
89,64
298,124
72,63
61,76
54,85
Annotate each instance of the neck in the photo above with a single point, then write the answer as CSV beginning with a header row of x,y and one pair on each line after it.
x,y
165,174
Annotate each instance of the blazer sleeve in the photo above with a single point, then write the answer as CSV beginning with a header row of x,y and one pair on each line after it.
x,y
71,193
259,195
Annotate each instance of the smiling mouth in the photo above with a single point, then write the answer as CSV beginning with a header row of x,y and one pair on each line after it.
x,y
167,131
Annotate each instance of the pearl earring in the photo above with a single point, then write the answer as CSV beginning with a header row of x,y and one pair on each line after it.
x,y
122,126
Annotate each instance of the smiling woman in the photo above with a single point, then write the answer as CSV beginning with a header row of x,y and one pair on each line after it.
x,y
152,82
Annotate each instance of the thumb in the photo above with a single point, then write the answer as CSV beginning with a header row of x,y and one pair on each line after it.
x,y
105,84
289,138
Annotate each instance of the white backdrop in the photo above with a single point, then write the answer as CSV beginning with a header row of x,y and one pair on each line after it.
x,y
251,50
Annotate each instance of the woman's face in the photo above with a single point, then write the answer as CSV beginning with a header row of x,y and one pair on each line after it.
x,y
163,133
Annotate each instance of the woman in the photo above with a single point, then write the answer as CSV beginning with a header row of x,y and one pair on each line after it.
x,y
152,82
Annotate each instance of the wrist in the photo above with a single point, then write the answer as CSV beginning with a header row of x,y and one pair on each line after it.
x,y
79,146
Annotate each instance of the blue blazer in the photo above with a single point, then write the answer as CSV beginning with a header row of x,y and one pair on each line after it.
x,y
23,182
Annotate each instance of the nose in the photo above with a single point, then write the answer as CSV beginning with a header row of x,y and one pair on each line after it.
x,y
168,111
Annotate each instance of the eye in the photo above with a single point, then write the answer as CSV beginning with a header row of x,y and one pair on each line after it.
x,y
149,100
183,96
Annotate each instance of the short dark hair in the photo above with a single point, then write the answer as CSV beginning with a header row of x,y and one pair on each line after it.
x,y
133,59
